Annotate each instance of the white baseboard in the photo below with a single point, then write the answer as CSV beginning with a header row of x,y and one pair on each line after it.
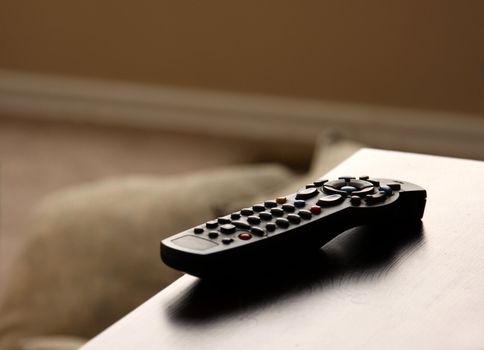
x,y
243,116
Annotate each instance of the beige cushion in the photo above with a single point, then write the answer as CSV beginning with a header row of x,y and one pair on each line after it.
x,y
93,252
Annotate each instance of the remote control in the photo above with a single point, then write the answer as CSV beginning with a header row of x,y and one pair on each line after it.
x,y
282,227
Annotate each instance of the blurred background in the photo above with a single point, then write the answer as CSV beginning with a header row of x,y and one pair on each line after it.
x,y
94,89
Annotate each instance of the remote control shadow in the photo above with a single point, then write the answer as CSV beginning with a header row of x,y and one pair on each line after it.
x,y
361,253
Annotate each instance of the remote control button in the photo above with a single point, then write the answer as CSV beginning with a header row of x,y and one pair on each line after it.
x,y
364,191
348,189
258,208
245,236
360,184
257,231
227,228
315,210
335,184
235,216
212,224
213,234
345,187
270,204
277,212
198,230
355,200
289,208
227,240
364,177
247,212
271,227
299,204
223,221
294,218
331,199
374,182
347,178
375,198
394,186
387,189
305,214
307,193
254,220
281,200
310,186
319,183
265,216
282,223
241,224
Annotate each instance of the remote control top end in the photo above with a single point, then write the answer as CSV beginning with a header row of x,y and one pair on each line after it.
x,y
278,227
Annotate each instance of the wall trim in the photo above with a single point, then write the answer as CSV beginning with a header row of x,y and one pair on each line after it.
x,y
244,116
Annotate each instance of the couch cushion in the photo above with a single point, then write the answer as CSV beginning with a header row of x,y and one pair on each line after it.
x,y
93,251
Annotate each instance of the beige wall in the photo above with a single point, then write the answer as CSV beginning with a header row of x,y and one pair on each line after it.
x,y
424,54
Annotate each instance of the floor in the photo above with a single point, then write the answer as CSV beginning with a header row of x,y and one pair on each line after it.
x,y
38,157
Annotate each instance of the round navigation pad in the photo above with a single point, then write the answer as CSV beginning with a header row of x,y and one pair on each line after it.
x,y
348,186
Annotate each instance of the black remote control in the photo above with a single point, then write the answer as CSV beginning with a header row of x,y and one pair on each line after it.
x,y
292,224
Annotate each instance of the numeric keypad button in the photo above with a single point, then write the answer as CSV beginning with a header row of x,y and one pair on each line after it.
x,y
305,214
257,231
284,223
254,220
277,212
227,228
295,219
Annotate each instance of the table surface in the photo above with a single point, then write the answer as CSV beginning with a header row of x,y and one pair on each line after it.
x,y
419,287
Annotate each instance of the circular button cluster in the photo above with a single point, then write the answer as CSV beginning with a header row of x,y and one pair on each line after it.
x,y
348,185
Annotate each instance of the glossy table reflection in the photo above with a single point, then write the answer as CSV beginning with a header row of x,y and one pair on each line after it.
x,y
414,286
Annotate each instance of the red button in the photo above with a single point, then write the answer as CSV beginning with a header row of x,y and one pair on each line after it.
x,y
315,210
245,236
